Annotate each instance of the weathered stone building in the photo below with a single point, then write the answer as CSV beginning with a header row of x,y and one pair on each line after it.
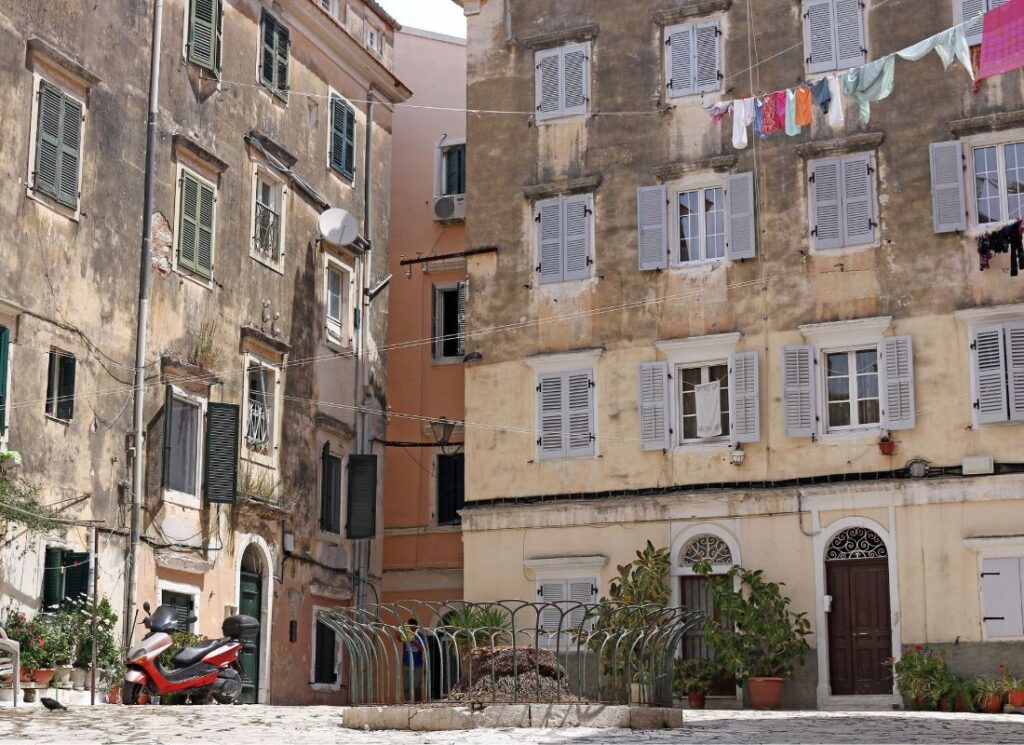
x,y
252,399
774,355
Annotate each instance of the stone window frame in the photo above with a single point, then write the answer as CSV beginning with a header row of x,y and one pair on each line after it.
x,y
336,333
699,181
997,139
271,460
184,589
184,499
441,163
973,319
586,360
261,171
336,686
204,176
335,539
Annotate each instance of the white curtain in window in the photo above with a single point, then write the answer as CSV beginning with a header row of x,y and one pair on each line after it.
x,y
709,411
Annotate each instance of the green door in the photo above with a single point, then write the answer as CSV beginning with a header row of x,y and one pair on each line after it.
x,y
250,604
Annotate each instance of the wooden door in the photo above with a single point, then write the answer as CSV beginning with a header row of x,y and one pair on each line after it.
x,y
859,627
697,594
250,604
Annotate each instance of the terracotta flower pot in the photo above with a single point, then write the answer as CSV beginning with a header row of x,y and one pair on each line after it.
x,y
886,446
26,675
1016,698
765,693
993,704
142,699
43,675
696,699
114,695
944,704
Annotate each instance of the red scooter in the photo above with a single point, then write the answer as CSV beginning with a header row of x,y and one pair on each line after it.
x,y
210,668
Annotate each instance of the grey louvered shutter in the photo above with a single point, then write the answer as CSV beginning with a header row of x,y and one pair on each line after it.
x,y
742,241
1003,609
204,231
652,227
462,288
1015,369
655,433
798,392
550,240
201,48
679,60
548,83
858,200
362,497
220,460
988,357
744,397
850,50
5,345
949,213
70,152
577,215
826,206
965,10
819,36
580,414
897,368
48,140
551,442
707,57
581,594
552,593
575,79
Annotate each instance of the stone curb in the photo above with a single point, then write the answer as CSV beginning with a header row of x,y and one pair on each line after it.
x,y
453,718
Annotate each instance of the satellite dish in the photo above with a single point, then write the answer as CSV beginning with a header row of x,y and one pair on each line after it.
x,y
338,226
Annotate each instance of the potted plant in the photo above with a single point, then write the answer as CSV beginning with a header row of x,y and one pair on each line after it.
x,y
756,636
693,678
114,673
988,694
959,696
1012,687
886,445
35,656
922,678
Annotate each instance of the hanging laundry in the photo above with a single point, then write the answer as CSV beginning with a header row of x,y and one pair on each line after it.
x,y
792,128
949,45
770,115
803,106
822,94
708,397
836,115
870,82
780,107
1002,40
976,64
1009,238
742,116
759,118
717,111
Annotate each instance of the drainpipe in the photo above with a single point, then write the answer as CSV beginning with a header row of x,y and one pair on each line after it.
x,y
142,320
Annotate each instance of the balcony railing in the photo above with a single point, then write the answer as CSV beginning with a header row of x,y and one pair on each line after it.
x,y
267,237
257,430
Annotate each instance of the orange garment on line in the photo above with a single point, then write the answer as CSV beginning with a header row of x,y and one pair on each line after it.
x,y
803,106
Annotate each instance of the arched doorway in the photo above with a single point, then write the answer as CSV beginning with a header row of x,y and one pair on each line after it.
x,y
250,603
859,621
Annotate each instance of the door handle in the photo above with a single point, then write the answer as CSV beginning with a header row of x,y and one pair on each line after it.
x,y
863,633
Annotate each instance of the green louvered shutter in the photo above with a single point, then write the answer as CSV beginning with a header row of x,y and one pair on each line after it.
x,y
221,456
350,141
268,50
281,60
204,34
204,242
183,604
70,149
343,138
65,388
53,577
5,344
48,140
362,496
188,222
76,575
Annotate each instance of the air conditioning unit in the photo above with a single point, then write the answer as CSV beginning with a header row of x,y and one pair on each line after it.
x,y
450,208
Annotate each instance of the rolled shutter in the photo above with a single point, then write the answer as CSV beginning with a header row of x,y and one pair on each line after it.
x,y
70,148
742,243
1015,369
655,432
202,33
575,79
5,345
462,289
652,227
548,83
204,231
577,215
965,10
898,406
819,36
53,577
988,356
48,140
707,57
223,425
65,387
551,441
798,401
679,60
552,592
581,594
362,497
949,213
1002,608
826,206
850,50
580,414
188,221
550,240
76,576
744,397
858,200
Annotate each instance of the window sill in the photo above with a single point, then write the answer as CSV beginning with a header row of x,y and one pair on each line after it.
x,y
324,687
58,420
181,499
859,248
567,459
335,539
711,446
562,119
343,177
253,456
859,436
702,265
71,213
994,425
196,279
445,361
258,258
335,344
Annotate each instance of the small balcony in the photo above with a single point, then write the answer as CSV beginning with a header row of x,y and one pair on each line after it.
x,y
267,235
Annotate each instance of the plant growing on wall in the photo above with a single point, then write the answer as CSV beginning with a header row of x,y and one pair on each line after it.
x,y
203,353
19,500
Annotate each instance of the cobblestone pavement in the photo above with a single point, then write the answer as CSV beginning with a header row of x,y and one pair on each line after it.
x,y
270,725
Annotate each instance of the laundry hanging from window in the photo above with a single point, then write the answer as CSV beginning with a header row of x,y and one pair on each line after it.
x,y
709,412
1009,238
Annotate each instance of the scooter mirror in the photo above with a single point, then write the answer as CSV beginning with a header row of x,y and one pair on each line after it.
x,y
145,606
192,619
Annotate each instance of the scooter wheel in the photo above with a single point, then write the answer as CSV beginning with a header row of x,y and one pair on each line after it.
x,y
130,693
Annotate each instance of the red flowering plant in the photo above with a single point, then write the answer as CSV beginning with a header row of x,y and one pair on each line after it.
x,y
922,676
30,636
1008,682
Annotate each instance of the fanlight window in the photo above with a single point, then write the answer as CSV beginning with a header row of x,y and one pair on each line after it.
x,y
856,543
709,548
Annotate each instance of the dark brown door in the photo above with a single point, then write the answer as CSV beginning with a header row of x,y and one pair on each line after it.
x,y
697,594
859,631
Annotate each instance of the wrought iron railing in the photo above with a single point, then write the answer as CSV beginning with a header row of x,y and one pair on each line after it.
x,y
257,428
267,236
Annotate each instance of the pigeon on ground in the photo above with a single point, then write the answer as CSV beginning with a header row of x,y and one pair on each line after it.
x,y
53,704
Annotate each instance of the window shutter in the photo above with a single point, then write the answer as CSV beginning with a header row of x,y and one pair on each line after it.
x,y
188,222
330,491
66,387
858,200
76,576
988,356
819,36
655,433
156,471
898,405
202,33
204,232
825,204
362,497
70,146
1002,611
948,211
5,345
269,50
652,227
48,140
679,60
548,83
550,240
218,57
324,664
455,170
581,591
53,577
462,289
578,211
223,425
551,615
745,397
575,79
850,50
281,59
350,141
580,412
707,62
798,402
166,437
742,243
343,144
965,11
1015,369
551,417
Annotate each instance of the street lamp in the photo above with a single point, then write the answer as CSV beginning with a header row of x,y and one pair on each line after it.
x,y
442,429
